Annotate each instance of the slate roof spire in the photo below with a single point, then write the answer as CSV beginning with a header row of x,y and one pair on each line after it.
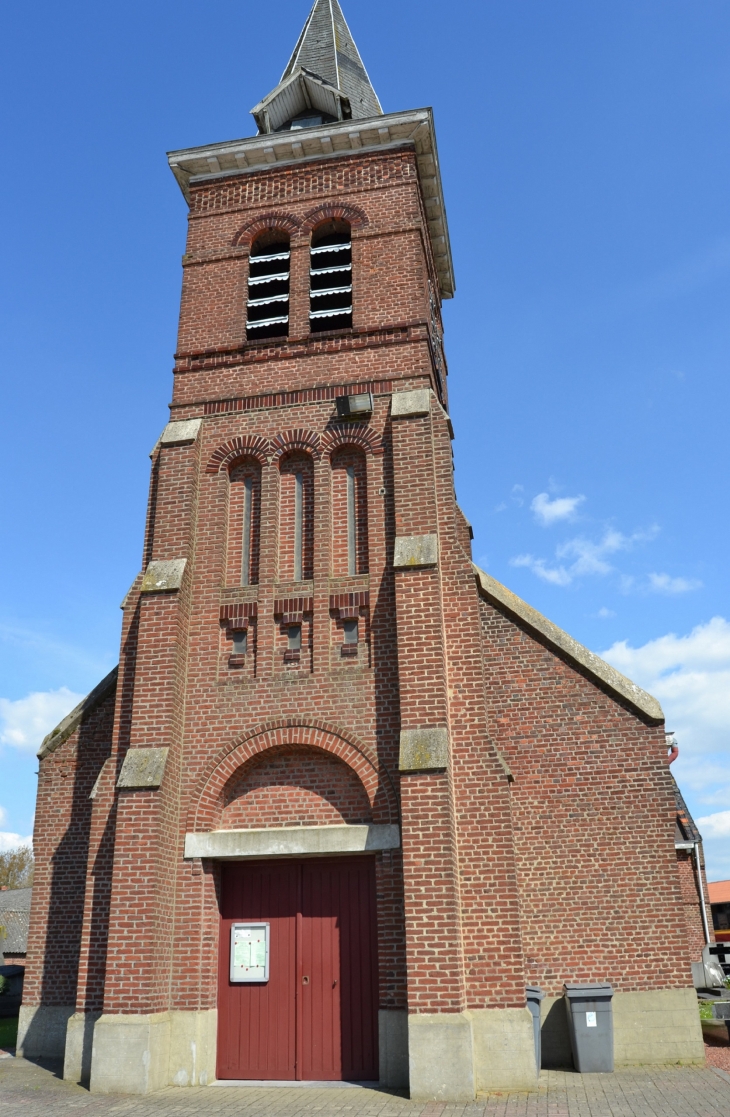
x,y
326,48
325,79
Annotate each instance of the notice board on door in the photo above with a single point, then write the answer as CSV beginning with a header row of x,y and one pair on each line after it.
x,y
249,952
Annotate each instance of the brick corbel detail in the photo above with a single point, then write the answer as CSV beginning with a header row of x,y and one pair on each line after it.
x,y
348,605
291,610
239,615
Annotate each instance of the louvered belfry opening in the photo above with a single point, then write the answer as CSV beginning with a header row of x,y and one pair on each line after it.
x,y
268,286
330,277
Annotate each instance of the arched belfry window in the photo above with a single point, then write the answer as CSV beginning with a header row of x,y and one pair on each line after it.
x,y
330,277
268,286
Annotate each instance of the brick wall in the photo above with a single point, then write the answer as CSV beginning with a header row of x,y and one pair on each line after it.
x,y
691,904
594,820
64,846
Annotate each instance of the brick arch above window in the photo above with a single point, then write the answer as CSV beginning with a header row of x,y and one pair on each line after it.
x,y
243,446
356,217
209,798
265,222
360,438
290,441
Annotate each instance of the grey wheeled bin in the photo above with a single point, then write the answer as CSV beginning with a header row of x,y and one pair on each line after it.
x,y
590,1021
534,997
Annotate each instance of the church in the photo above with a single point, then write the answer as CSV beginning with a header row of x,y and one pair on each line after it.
x,y
346,796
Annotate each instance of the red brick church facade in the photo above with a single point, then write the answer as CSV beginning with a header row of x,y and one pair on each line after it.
x,y
324,716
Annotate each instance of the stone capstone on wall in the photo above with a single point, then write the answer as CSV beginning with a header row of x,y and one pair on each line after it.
x,y
163,575
179,431
409,404
421,749
143,768
415,550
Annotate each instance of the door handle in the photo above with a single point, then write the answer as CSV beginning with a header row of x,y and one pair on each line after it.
x,y
305,981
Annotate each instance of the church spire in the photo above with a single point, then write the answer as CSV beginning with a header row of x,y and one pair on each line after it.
x,y
326,48
324,80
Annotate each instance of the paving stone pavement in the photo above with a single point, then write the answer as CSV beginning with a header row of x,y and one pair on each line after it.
x,y
30,1089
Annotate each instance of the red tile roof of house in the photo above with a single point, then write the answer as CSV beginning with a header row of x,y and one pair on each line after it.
x,y
719,891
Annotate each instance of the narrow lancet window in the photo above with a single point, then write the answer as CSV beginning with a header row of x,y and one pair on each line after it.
x,y
296,519
298,510
246,557
330,277
351,522
268,287
349,513
244,516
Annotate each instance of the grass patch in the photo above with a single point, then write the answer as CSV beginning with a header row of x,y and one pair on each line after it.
x,y
8,1030
706,1010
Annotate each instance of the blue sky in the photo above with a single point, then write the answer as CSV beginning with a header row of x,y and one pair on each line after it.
x,y
585,159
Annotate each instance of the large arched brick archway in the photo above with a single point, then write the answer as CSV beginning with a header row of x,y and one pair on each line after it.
x,y
208,800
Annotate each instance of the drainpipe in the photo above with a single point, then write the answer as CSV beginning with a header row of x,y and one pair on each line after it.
x,y
703,910
673,754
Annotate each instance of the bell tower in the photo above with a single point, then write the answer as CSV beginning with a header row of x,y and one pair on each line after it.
x,y
300,723
306,595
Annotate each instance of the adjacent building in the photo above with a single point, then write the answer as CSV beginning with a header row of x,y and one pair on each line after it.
x,y
719,893
14,917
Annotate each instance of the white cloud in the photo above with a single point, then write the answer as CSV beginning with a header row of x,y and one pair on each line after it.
x,y
25,722
715,825
664,583
588,557
549,511
605,614
3,815
11,841
690,675
558,576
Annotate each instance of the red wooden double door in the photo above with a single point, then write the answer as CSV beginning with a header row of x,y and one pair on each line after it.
x,y
316,1018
